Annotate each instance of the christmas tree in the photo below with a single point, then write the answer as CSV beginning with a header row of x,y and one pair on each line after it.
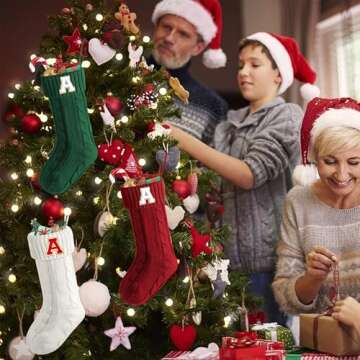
x,y
94,184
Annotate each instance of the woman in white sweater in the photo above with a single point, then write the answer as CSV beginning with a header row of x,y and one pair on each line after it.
x,y
321,219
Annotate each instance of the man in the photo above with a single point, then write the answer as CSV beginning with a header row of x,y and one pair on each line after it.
x,y
183,29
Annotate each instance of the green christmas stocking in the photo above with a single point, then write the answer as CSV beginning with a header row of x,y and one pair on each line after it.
x,y
75,149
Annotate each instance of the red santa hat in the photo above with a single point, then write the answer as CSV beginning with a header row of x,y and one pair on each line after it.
x,y
206,16
321,114
290,62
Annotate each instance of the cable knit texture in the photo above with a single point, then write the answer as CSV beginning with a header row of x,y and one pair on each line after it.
x,y
307,222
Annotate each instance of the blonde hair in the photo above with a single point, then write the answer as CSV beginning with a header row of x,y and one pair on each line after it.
x,y
332,140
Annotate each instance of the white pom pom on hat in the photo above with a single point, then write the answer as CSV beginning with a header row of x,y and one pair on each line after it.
x,y
206,16
290,62
321,114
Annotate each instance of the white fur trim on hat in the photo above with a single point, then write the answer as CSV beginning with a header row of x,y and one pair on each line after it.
x,y
280,56
305,174
191,11
214,58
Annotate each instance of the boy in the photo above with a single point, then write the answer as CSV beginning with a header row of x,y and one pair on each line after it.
x,y
256,150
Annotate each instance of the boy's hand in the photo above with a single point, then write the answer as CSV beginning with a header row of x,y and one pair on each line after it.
x,y
347,311
320,262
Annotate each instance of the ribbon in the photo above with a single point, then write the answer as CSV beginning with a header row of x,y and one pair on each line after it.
x,y
204,353
232,343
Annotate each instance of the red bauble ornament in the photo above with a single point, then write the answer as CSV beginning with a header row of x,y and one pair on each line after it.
x,y
181,187
35,181
31,123
183,337
53,209
113,104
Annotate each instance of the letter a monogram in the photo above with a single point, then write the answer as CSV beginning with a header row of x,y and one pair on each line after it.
x,y
54,246
66,85
146,196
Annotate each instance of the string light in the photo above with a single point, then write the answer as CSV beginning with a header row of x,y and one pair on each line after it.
x,y
130,312
79,193
2,309
227,321
98,181
119,56
178,166
37,88
67,211
146,39
162,91
100,261
12,278
99,17
30,173
11,95
14,176
132,38
17,86
85,27
169,302
124,119
186,280
37,200
51,61
142,162
135,79
2,250
119,195
86,64
90,111
28,159
74,61
15,208
43,117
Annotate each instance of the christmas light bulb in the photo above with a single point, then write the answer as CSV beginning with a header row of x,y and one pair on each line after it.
x,y
2,250
130,312
169,302
14,208
79,193
96,200
132,38
51,61
30,173
37,88
17,86
124,119
28,159
85,27
11,95
186,280
43,117
119,195
178,166
67,211
86,64
162,91
98,181
14,176
146,39
12,278
119,56
100,261
74,61
2,309
135,79
142,162
37,200
227,320
99,17
90,111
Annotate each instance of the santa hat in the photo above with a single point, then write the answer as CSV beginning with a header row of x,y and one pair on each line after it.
x,y
321,114
290,62
206,16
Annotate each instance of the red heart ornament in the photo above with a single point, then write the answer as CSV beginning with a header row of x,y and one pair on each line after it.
x,y
183,337
111,153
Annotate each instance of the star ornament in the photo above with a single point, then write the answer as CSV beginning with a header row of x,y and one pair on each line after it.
x,y
74,42
120,335
200,242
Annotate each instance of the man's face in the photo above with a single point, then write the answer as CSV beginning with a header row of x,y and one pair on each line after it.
x,y
175,42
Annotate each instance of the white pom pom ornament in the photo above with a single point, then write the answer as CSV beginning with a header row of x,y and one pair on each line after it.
x,y
95,297
19,349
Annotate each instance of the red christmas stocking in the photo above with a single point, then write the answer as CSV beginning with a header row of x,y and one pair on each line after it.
x,y
155,261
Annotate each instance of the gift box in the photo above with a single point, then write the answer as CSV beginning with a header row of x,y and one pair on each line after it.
x,y
325,334
274,332
178,355
318,356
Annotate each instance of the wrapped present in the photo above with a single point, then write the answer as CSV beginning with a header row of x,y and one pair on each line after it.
x,y
274,332
325,334
305,355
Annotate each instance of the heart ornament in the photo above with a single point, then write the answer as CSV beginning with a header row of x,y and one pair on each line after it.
x,y
100,52
174,216
183,337
191,203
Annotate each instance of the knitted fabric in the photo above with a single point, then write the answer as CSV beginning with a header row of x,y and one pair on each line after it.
x,y
307,222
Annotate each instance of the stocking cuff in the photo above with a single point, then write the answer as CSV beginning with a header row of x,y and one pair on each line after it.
x,y
51,246
51,85
131,195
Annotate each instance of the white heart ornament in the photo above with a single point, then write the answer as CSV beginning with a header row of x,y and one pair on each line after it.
x,y
174,216
79,258
196,316
100,52
102,222
191,203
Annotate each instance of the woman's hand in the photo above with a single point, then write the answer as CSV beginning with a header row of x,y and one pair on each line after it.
x,y
348,312
320,262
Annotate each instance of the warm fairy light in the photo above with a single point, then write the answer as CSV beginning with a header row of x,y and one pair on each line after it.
x,y
14,176
154,105
67,211
17,86
135,79
162,91
146,39
178,166
37,88
130,312
142,162
74,61
98,181
99,17
79,193
178,261
86,64
100,261
227,321
169,302
85,27
2,250
132,38
51,61
30,173
12,278
119,195
124,119
96,200
90,111
14,208
119,56
2,309
43,117
186,280
37,200
28,159
11,95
